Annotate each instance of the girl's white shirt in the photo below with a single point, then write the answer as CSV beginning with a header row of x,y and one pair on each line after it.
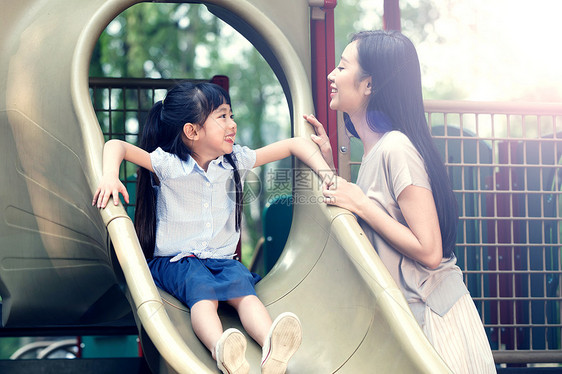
x,y
195,210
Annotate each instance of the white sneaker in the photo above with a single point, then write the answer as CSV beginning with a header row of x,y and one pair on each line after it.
x,y
282,342
230,352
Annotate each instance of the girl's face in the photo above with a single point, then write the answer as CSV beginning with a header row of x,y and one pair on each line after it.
x,y
218,133
349,94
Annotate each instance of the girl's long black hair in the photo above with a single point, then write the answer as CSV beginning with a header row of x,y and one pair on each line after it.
x,y
185,103
396,103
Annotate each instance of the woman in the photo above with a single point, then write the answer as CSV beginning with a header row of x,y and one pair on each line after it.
x,y
402,197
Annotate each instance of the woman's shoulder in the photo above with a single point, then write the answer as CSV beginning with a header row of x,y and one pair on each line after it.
x,y
395,136
398,150
395,142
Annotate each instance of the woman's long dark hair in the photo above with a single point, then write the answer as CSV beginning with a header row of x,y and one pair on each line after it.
x,y
396,103
185,103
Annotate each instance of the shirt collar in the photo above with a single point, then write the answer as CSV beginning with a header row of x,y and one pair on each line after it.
x,y
189,165
222,162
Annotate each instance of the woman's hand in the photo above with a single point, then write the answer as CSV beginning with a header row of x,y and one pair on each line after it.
x,y
109,186
344,194
321,139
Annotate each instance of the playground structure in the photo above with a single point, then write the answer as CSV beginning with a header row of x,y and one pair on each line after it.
x,y
58,254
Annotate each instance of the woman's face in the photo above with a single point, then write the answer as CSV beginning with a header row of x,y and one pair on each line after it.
x,y
348,93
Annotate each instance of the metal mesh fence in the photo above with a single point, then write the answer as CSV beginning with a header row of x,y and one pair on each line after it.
x,y
504,164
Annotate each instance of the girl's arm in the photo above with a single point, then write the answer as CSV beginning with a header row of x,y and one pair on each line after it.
x,y
305,150
321,138
114,152
420,240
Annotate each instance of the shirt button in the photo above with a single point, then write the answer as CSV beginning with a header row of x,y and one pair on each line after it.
x,y
206,205
207,184
204,244
208,224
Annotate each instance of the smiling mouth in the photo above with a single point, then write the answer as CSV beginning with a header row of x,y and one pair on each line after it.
x,y
230,138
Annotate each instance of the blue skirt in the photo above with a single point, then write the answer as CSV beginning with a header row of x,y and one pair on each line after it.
x,y
192,279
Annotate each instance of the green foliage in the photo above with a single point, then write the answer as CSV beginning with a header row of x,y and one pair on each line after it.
x,y
151,40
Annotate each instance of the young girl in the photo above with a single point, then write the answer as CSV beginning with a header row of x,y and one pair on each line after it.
x,y
188,225
402,197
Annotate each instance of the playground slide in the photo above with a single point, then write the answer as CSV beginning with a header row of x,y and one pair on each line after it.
x,y
57,264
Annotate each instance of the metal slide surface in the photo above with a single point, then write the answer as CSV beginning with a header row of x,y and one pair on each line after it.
x,y
56,262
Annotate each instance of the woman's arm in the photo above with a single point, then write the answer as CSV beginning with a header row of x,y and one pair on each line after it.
x,y
305,150
114,152
420,240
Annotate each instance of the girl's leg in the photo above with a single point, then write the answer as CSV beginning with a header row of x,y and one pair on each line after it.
x,y
228,348
254,317
279,339
206,323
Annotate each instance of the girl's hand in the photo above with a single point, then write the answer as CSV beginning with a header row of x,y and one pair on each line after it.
x,y
344,194
109,186
321,139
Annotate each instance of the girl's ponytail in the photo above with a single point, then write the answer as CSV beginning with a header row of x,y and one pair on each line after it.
x,y
145,212
239,192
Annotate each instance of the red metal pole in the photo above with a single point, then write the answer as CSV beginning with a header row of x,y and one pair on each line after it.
x,y
391,17
323,62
